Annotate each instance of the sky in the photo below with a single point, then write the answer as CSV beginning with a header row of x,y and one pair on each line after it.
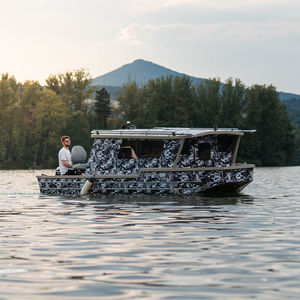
x,y
257,41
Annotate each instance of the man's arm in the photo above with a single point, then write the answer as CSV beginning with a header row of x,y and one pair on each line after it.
x,y
66,164
133,155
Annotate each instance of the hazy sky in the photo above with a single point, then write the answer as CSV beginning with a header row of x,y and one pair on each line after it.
x,y
257,41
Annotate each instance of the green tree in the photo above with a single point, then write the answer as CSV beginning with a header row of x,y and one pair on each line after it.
x,y
30,97
129,103
9,129
274,142
232,104
51,120
76,92
183,97
158,99
44,115
74,88
207,103
102,108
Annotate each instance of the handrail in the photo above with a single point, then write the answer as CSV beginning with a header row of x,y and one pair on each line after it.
x,y
165,132
136,132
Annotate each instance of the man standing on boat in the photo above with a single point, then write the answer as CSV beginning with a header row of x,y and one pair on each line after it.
x,y
64,157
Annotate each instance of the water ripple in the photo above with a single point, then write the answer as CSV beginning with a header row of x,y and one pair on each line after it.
x,y
168,247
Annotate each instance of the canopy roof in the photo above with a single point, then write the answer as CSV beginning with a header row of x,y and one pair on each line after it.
x,y
165,132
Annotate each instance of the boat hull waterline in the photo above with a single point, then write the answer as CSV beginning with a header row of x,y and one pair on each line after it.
x,y
157,182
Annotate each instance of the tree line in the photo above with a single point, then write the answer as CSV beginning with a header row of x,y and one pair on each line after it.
x,y
33,116
175,101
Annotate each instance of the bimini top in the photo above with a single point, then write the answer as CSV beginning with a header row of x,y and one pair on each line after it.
x,y
165,132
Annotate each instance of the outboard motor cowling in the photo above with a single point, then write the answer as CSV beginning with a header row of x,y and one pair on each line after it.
x,y
78,156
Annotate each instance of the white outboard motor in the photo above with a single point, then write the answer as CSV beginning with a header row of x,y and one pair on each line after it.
x,y
78,156
86,187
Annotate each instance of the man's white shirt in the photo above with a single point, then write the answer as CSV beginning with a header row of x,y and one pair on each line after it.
x,y
64,154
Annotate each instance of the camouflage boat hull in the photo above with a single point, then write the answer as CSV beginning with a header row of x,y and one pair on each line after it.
x,y
157,182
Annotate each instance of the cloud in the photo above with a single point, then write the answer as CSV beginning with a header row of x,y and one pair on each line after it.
x,y
246,32
193,36
143,6
234,19
226,33
130,35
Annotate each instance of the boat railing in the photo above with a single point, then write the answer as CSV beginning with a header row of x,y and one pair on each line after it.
x,y
136,132
178,129
161,132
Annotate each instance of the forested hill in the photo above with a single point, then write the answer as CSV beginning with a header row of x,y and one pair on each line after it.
x,y
287,96
293,110
141,71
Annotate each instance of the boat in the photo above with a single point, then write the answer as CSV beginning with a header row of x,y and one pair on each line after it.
x,y
157,161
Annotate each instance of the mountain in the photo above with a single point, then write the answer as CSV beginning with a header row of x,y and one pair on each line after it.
x,y
293,110
287,96
141,71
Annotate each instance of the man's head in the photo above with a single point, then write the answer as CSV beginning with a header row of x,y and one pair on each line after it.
x,y
66,141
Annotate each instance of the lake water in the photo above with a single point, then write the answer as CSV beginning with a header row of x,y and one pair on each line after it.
x,y
133,247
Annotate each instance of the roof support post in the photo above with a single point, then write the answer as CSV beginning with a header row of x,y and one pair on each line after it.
x,y
178,153
235,148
